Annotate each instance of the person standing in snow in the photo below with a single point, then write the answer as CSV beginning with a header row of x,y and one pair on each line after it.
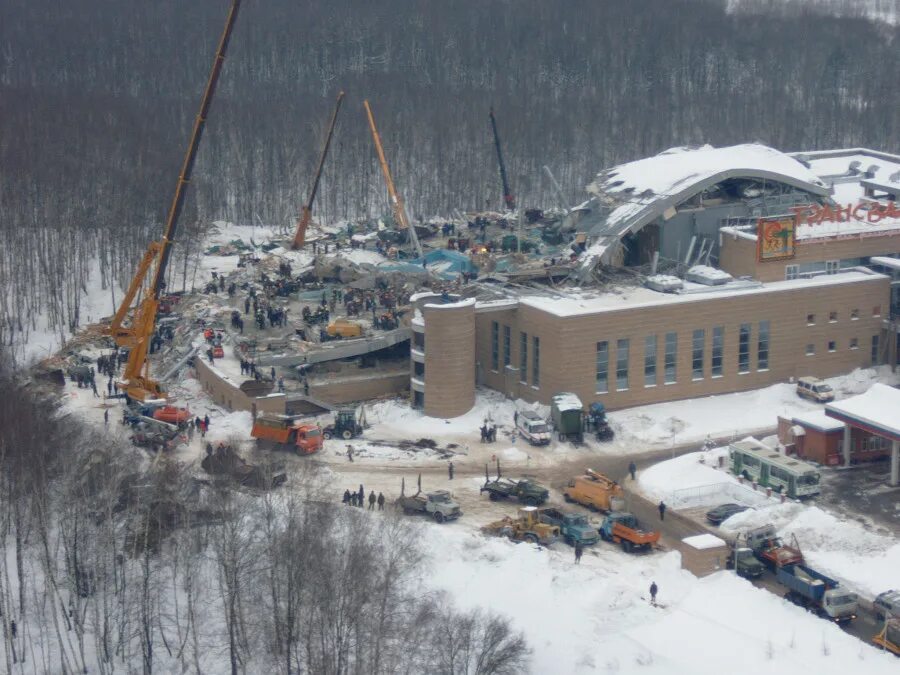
x,y
450,470
579,550
381,501
632,469
372,500
653,591
346,499
362,494
662,510
349,453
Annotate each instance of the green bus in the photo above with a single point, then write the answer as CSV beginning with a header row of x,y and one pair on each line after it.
x,y
769,468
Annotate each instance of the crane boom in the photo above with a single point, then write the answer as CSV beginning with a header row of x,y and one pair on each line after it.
x,y
396,201
136,380
306,213
556,188
508,198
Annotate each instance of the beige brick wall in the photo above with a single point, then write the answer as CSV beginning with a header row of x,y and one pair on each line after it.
x,y
449,359
229,396
737,256
568,345
349,390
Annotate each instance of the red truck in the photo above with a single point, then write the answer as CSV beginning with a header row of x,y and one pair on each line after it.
x,y
284,433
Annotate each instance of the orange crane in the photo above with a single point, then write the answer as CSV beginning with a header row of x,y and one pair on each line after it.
x,y
396,201
306,213
136,380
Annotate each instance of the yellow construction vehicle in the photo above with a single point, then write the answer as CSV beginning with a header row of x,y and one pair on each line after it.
x,y
889,637
136,381
344,328
396,201
306,213
595,491
526,526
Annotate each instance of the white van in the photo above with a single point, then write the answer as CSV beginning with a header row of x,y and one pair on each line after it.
x,y
814,390
532,428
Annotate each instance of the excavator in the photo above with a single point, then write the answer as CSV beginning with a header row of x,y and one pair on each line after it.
x,y
396,201
136,382
306,213
508,198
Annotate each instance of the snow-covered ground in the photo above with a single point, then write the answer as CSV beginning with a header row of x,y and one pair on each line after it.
x,y
595,617
692,420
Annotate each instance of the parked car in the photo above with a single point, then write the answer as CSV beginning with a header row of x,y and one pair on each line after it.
x,y
815,390
723,512
887,604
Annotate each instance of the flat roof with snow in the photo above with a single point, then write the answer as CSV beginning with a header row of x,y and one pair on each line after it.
x,y
818,420
876,411
625,298
704,541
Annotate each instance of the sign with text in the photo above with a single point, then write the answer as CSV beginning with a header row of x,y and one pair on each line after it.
x,y
869,212
775,238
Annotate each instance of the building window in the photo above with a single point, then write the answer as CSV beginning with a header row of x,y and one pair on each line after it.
x,y
536,361
832,317
832,346
791,272
419,340
876,311
854,343
602,367
418,369
523,357
718,347
506,345
854,314
697,354
650,361
495,346
810,319
762,346
832,266
810,349
874,350
622,364
744,348
671,356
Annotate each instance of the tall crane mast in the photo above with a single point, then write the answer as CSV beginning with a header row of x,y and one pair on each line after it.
x,y
306,213
396,201
136,379
508,198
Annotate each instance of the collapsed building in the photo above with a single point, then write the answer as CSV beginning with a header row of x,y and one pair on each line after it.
x,y
703,271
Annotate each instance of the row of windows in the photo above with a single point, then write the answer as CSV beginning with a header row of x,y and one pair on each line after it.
x,y
670,356
833,316
523,353
853,344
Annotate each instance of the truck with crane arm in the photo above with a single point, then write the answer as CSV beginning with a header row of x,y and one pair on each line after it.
x,y
508,199
136,381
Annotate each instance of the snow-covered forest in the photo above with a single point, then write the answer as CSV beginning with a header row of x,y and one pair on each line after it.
x,y
114,565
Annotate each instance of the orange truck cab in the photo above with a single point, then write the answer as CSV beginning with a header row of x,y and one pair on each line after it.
x,y
284,433
595,491
171,414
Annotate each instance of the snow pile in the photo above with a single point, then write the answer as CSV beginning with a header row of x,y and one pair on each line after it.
x,y
362,257
733,415
230,426
868,562
595,617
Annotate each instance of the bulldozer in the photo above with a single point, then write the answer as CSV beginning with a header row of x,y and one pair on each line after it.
x,y
526,526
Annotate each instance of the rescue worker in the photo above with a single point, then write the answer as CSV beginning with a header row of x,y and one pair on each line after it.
x,y
362,494
654,589
662,510
632,469
349,453
346,499
450,470
372,500
380,501
579,550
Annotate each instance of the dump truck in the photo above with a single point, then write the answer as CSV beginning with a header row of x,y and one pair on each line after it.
x,y
525,490
526,526
889,637
770,549
595,491
566,411
744,563
282,432
438,504
621,527
345,425
817,593
573,527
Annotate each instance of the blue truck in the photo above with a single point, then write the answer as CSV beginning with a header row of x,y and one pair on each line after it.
x,y
817,593
573,527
